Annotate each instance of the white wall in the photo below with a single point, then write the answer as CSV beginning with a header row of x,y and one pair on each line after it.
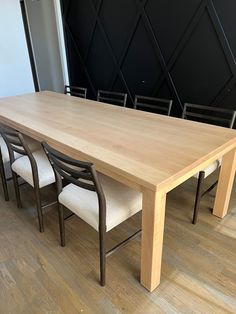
x,y
44,34
61,40
15,71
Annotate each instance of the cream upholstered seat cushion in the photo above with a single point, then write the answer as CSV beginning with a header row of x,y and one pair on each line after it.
x,y
33,145
23,168
122,202
211,168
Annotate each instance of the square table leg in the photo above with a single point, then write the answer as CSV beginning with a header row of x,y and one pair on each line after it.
x,y
153,217
225,183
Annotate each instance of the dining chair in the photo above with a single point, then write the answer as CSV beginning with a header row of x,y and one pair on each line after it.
x,y
212,115
75,91
119,99
153,104
100,201
5,161
33,167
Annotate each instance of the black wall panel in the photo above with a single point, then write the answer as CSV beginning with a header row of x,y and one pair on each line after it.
x,y
184,50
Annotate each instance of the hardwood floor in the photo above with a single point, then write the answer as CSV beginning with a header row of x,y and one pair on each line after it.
x,y
38,276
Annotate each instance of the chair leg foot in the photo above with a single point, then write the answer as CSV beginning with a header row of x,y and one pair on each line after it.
x,y
39,209
198,196
17,190
4,181
102,248
6,196
61,224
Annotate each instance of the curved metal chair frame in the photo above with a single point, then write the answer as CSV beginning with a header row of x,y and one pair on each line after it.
x,y
75,91
3,178
156,105
17,144
213,115
114,98
83,175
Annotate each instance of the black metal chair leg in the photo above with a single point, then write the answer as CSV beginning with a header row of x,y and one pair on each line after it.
x,y
39,208
201,177
17,190
102,248
61,224
4,181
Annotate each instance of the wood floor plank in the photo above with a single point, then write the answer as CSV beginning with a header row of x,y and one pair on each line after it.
x,y
39,276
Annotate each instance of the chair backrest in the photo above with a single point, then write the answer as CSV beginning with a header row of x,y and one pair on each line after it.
x,y
114,98
15,142
75,91
208,114
82,174
151,104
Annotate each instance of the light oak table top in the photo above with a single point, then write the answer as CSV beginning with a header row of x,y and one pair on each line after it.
x,y
153,150
149,152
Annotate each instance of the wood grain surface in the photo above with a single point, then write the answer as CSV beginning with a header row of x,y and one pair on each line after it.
x,y
145,149
149,152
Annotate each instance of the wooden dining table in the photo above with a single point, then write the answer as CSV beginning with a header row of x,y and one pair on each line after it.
x,y
148,152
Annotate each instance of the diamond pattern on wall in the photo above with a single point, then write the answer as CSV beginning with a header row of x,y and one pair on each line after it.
x,y
169,17
184,50
226,14
80,27
117,22
97,57
140,74
195,84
